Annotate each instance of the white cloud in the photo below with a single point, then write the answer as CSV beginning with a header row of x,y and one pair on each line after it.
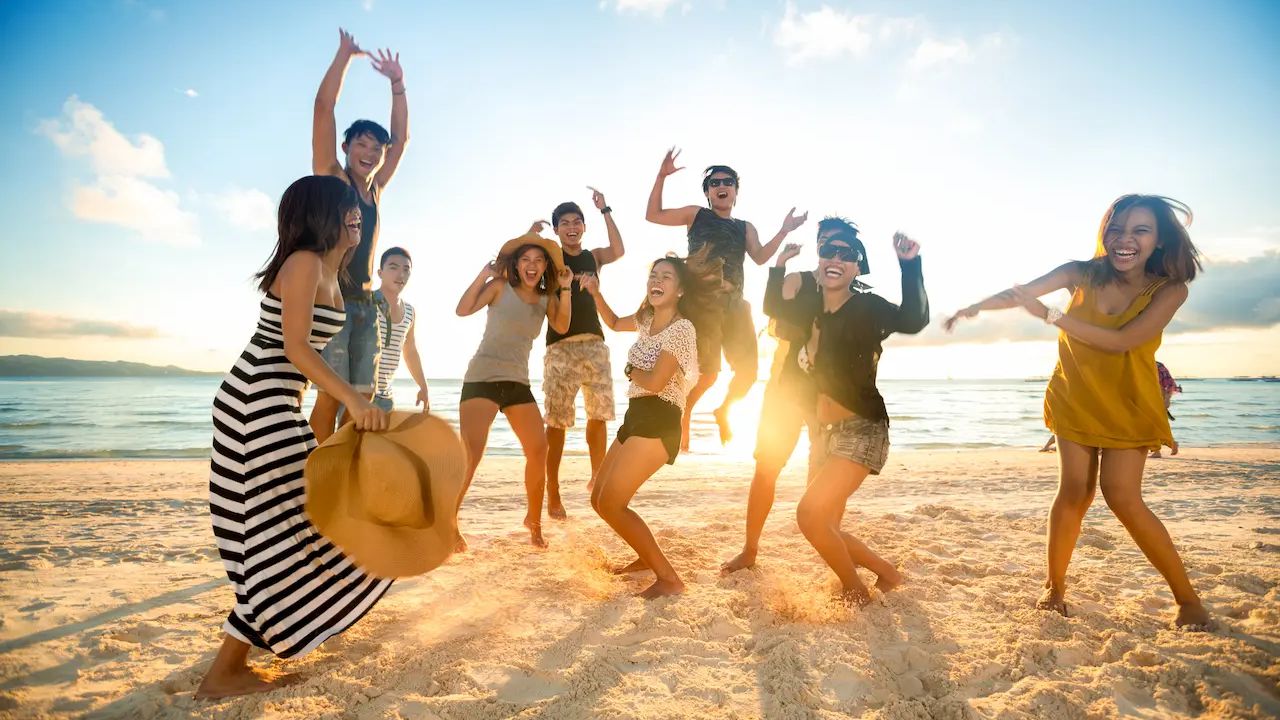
x,y
656,8
825,34
191,92
933,53
251,210
118,194
25,324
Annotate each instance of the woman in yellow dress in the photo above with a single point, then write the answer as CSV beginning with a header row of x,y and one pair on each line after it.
x,y
1103,402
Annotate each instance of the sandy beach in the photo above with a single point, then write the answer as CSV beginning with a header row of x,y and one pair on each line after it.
x,y
111,597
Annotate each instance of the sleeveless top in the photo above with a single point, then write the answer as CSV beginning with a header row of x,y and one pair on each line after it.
x,y
359,275
727,238
1105,399
583,319
678,338
511,325
392,337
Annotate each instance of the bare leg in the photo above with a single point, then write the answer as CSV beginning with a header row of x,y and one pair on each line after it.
x,y
230,674
699,389
739,385
779,433
324,416
631,464
597,445
555,450
475,417
818,515
1122,489
526,422
1077,483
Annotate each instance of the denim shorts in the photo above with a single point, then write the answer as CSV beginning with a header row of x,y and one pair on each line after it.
x,y
384,403
856,439
353,352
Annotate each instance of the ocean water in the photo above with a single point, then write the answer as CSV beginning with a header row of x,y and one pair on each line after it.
x,y
73,418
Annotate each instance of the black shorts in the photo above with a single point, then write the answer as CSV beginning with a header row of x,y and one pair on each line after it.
x,y
735,338
503,392
652,417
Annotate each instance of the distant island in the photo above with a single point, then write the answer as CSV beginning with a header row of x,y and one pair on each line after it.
x,y
36,366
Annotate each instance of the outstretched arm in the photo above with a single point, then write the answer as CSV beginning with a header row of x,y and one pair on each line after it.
x,y
654,212
1149,323
1063,276
324,130
761,253
615,251
389,65
591,284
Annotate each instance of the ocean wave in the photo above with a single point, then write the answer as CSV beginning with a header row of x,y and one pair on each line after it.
x,y
20,452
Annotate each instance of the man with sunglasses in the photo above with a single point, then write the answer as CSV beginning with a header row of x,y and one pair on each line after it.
x,y
790,395
732,240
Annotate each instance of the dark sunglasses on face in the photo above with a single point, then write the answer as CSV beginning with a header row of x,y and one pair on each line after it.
x,y
843,253
717,182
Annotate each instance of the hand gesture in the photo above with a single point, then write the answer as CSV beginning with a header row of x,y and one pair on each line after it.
x,y
597,198
669,163
564,276
789,251
950,323
388,65
347,45
905,247
536,227
591,283
368,416
1030,302
423,400
489,271
792,222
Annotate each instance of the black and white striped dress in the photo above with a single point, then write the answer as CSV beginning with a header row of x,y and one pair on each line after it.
x,y
293,588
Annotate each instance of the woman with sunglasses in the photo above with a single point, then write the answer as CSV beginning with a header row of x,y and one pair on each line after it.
x,y
841,356
1104,402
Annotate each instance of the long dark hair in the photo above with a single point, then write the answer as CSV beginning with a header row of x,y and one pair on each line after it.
x,y
312,216
1175,256
511,266
702,285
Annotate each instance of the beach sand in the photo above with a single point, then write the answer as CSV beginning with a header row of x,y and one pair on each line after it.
x,y
111,598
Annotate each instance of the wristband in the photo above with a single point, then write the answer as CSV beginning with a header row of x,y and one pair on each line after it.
x,y
1052,316
606,210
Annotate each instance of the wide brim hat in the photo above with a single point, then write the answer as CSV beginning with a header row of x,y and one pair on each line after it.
x,y
389,499
550,246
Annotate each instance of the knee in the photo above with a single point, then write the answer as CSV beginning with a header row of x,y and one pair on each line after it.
x,y
536,451
1122,501
811,517
1076,499
607,506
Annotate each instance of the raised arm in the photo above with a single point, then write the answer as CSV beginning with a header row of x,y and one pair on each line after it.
x,y
559,308
782,287
591,284
413,361
761,253
615,251
654,212
1063,276
913,314
324,128
482,291
389,65
1149,323
298,280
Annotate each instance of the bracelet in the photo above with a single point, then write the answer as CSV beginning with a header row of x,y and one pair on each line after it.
x,y
606,210
1052,316
563,289
627,370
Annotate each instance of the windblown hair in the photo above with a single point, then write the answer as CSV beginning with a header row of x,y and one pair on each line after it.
x,y
1175,256
367,127
511,268
842,225
312,216
702,285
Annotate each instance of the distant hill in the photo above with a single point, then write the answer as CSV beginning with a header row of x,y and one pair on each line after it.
x,y
36,366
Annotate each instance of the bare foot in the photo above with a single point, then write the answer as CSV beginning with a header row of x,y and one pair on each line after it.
x,y
1193,618
1053,599
244,681
741,561
556,512
1155,454
889,581
662,588
634,566
855,596
684,439
459,544
722,422
535,534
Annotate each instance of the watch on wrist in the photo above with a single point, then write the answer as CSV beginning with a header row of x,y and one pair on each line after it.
x,y
1052,316
626,370
606,210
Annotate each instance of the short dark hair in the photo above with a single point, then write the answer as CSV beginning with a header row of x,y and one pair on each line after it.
x,y
841,225
392,252
367,127
713,169
565,208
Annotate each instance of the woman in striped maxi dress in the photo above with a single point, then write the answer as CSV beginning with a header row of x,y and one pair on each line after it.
x,y
293,589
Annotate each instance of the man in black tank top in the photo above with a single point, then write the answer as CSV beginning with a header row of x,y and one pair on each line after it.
x,y
578,359
732,240
372,158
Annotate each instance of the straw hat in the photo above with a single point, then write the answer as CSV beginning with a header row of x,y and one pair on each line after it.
x,y
550,246
389,499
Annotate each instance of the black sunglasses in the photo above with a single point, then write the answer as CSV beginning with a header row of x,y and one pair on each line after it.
x,y
717,182
843,253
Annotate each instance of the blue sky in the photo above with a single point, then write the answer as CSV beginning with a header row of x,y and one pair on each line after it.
x,y
995,133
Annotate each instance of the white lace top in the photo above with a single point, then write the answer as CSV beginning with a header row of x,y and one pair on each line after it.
x,y
679,339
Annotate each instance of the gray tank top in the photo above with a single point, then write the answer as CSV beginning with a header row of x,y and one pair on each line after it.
x,y
510,328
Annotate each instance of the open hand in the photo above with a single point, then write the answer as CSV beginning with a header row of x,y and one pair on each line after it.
x,y
950,323
792,222
536,227
347,45
389,65
591,283
669,163
905,247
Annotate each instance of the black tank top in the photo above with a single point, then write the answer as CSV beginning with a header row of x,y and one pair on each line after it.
x,y
360,267
727,238
584,319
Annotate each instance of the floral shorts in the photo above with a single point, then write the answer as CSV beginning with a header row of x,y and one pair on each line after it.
x,y
568,366
856,439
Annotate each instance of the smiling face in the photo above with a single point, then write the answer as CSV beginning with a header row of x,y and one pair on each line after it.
x,y
351,236
664,285
837,264
364,155
1130,239
531,263
722,191
569,229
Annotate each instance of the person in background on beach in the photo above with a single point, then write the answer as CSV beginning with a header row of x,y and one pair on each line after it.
x,y
683,295
1103,402
396,327
372,157
578,359
261,442
525,285
1168,386
842,355
731,240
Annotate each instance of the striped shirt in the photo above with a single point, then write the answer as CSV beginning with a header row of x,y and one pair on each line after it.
x,y
391,336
